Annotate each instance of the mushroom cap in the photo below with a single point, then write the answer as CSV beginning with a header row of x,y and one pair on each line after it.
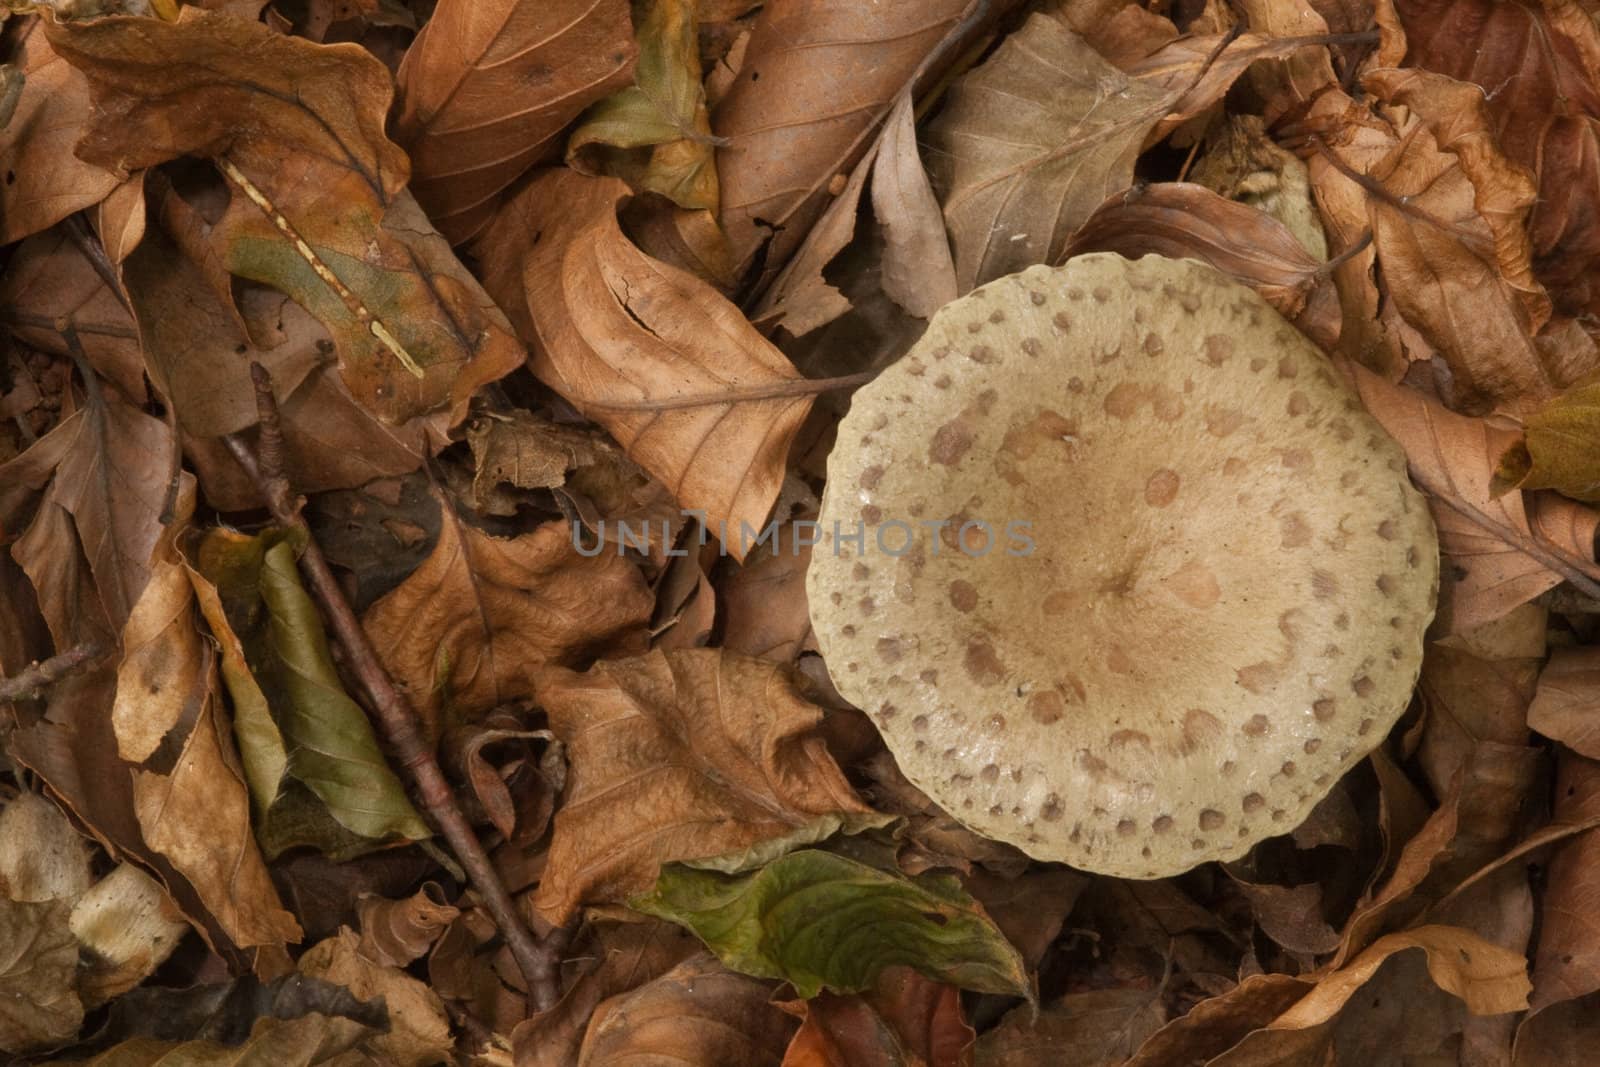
x,y
1221,602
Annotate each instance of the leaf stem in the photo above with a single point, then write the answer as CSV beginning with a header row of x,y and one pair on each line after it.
x,y
390,708
738,394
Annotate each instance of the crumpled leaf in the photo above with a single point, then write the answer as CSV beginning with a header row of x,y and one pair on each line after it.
x,y
488,86
684,755
664,110
39,1005
616,333
311,760
1524,56
319,209
1101,1028
41,856
696,1013
905,1020
128,926
396,932
818,920
41,181
470,628
1030,144
815,81
419,1031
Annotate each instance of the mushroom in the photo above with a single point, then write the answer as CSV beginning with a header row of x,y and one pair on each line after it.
x,y
1122,570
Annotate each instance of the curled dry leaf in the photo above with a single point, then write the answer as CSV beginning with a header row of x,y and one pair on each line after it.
x,y
621,335
1217,1023
471,628
683,756
1563,705
43,181
128,926
815,82
396,932
1524,56
1557,450
1291,84
319,207
419,1031
764,601
1566,963
698,1013
486,89
1181,220
1030,144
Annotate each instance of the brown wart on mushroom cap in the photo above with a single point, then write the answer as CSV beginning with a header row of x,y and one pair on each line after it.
x,y
1229,578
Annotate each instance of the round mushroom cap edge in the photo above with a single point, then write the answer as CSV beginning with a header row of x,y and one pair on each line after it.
x,y
1215,606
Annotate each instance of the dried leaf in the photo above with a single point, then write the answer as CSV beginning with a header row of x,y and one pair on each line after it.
x,y
43,182
683,756
41,856
1030,144
1096,1029
128,926
1566,963
486,89
616,332
1524,56
815,82
1214,1025
1563,707
818,920
39,1007
1497,559
1296,81
664,110
470,628
905,1020
918,271
319,208
695,1013
1180,220
1558,446
764,601
312,1040
419,1032
301,730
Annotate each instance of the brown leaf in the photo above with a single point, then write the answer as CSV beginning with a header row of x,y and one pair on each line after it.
x,y
1181,220
1102,1028
1123,33
126,926
1292,915
1524,56
1030,144
41,181
419,1032
486,89
918,272
396,932
1214,1025
623,957
682,756
297,128
1566,963
815,82
764,601
1294,82
616,333
1559,1035
470,628
39,1007
1563,706
905,1021
1496,558
697,1013
1029,909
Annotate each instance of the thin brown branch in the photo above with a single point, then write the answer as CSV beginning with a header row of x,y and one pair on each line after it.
x,y
393,713
34,680
739,394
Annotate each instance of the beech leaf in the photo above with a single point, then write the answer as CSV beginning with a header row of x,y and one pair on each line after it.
x,y
685,755
1102,1027
39,1004
1030,144
486,89
617,333
319,207
469,629
820,921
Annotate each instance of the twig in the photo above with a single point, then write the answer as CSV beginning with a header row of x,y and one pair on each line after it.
x,y
33,680
738,394
393,712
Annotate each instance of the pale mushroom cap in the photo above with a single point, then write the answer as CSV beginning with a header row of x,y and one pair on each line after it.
x,y
1230,576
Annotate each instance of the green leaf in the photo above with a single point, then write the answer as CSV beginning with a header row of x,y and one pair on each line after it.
x,y
818,920
316,774
664,112
1561,447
